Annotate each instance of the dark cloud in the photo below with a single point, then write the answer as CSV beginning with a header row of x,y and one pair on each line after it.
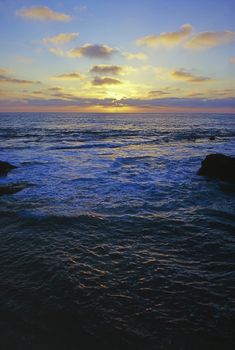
x,y
63,99
4,78
55,89
181,102
158,92
73,101
93,51
105,81
166,91
106,69
38,92
69,76
186,76
64,96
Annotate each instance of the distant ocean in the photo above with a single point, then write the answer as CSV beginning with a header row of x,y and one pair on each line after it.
x,y
116,243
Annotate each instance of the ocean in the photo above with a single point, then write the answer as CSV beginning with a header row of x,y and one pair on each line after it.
x,y
115,242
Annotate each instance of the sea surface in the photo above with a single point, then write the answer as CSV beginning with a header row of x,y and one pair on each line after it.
x,y
116,243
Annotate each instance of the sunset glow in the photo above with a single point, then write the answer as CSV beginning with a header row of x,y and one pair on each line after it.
x,y
107,56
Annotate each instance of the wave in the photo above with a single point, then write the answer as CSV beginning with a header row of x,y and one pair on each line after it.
x,y
88,146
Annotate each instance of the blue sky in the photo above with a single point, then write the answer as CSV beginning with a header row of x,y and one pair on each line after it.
x,y
183,51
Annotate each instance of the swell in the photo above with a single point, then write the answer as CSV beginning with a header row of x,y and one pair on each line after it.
x,y
86,271
119,244
88,135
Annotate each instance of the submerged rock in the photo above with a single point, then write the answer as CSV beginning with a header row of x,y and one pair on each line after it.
x,y
218,166
5,167
11,188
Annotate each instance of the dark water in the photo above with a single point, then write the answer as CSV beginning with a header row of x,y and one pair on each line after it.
x,y
116,243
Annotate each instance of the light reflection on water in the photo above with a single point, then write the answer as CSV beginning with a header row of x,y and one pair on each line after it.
x,y
116,241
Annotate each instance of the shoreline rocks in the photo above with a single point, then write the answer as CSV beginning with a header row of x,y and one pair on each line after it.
x,y
218,166
5,167
11,188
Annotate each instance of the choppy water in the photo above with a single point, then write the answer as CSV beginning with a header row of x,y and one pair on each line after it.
x,y
117,242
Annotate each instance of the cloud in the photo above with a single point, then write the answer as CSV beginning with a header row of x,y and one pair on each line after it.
x,y
179,102
57,51
186,76
63,99
65,96
93,51
55,89
167,38
155,93
69,76
207,40
61,38
222,93
135,56
87,50
105,81
4,71
232,60
71,100
5,78
106,69
38,93
57,97
43,13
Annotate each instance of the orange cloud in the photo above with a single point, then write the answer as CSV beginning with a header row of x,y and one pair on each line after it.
x,y
61,38
43,13
207,40
167,38
186,76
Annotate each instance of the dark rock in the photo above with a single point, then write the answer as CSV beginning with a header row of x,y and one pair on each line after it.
x,y
11,188
5,167
218,166
212,138
228,188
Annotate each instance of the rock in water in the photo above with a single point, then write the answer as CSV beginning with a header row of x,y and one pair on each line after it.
x,y
5,167
218,166
11,189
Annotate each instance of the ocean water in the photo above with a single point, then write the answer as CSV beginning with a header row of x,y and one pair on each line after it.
x,y
116,243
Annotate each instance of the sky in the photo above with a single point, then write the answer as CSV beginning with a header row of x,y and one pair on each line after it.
x,y
117,56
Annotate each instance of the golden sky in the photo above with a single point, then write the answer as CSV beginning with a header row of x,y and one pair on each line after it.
x,y
112,56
